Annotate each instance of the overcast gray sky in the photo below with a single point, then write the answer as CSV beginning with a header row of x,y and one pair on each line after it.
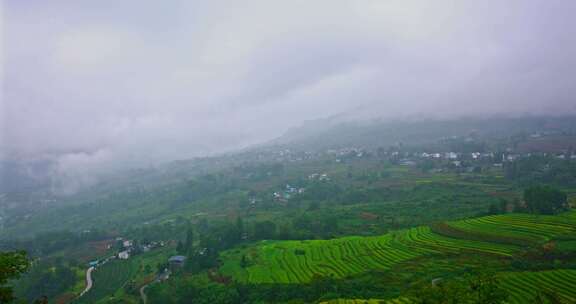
x,y
121,80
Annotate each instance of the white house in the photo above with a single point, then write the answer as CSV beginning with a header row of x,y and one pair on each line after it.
x,y
124,255
451,155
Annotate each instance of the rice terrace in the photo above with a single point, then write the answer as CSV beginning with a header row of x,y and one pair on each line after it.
x,y
496,237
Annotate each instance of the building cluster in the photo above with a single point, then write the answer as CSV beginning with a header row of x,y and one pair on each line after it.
x,y
129,247
287,193
322,177
281,155
469,161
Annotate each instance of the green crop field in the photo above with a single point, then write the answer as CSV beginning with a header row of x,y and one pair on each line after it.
x,y
523,285
535,228
108,279
424,238
369,301
300,261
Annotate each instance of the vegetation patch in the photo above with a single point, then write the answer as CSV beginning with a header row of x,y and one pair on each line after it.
x,y
281,262
108,279
525,286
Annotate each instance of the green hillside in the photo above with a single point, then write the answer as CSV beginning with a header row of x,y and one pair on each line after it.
x,y
347,224
523,286
297,262
369,301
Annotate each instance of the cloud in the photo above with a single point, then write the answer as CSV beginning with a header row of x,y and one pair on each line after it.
x,y
148,81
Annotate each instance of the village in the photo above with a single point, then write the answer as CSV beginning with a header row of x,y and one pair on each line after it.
x,y
125,249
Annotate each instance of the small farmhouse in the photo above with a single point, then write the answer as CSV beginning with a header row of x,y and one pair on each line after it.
x,y
124,255
176,261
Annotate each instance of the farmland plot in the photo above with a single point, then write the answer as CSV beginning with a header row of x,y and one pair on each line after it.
x,y
108,279
300,261
523,285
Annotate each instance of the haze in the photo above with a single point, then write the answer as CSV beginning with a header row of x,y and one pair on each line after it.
x,y
99,84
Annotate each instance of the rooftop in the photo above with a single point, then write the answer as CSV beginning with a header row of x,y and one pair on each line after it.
x,y
177,259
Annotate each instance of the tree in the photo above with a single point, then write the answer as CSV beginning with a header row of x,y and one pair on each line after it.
x,y
483,288
426,165
41,300
264,230
315,205
228,235
189,244
323,284
285,232
517,206
239,228
147,268
12,265
486,289
503,204
330,225
547,297
545,200
243,261
180,248
493,209
160,267
48,277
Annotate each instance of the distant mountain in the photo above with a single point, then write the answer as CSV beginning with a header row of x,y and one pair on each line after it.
x,y
335,133
29,183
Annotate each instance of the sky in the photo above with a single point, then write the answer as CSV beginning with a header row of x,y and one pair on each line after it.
x,y
100,84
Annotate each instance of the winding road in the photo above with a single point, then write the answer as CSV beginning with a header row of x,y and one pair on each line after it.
x,y
159,278
89,282
143,294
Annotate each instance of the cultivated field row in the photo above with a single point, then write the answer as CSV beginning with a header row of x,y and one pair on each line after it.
x,y
502,236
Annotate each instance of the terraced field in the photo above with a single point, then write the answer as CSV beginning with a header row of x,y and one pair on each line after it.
x,y
370,301
523,285
532,228
300,261
423,237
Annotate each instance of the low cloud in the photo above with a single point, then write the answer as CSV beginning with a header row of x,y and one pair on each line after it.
x,y
139,82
